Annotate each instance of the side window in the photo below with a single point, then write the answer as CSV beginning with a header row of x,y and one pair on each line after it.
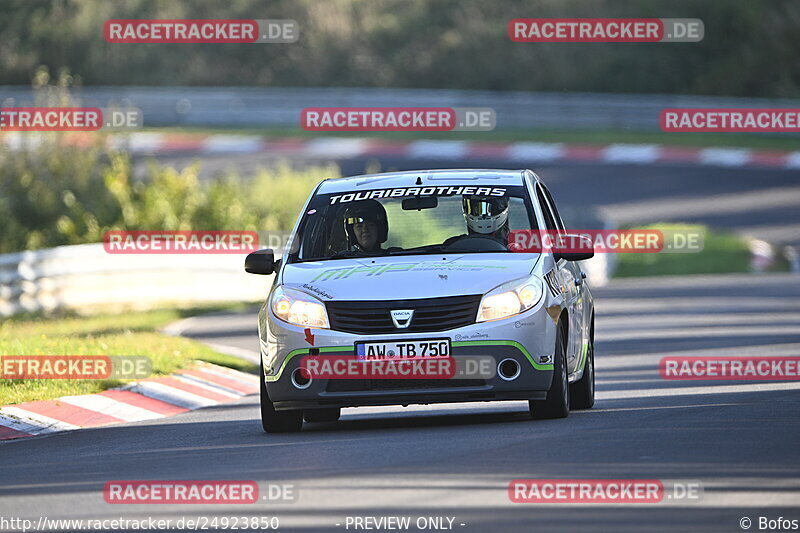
x,y
549,196
549,220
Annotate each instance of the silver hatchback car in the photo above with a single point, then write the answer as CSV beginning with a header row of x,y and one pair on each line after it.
x,y
412,266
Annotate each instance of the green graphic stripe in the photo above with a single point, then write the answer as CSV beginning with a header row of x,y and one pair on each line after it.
x,y
304,351
349,349
515,344
584,352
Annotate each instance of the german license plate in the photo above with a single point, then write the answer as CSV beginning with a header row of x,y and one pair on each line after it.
x,y
399,350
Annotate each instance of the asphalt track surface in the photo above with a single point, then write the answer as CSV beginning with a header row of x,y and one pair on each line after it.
x,y
739,440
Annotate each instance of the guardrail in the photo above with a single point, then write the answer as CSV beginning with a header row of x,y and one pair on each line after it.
x,y
280,107
86,278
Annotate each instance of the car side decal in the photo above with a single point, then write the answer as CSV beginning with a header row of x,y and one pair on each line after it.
x,y
552,283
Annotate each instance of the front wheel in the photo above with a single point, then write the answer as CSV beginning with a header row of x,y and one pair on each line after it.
x,y
277,421
582,391
557,403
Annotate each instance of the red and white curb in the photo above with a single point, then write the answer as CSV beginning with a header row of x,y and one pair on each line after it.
x,y
200,386
515,152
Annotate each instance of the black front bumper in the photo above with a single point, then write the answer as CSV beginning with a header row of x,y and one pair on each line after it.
x,y
484,394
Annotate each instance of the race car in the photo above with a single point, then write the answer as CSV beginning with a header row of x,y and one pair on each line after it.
x,y
417,276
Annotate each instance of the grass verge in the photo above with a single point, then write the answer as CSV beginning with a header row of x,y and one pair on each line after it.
x,y
120,334
722,253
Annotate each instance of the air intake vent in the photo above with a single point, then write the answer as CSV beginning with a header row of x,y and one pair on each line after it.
x,y
430,314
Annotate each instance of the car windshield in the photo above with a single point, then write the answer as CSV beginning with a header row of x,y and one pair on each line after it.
x,y
411,221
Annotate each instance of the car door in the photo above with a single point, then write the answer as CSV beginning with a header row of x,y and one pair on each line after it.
x,y
579,313
565,274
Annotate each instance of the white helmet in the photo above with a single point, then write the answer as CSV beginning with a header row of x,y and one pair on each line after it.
x,y
485,214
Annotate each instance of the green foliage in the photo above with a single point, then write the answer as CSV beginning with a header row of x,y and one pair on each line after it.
x,y
722,253
750,48
57,189
279,193
55,194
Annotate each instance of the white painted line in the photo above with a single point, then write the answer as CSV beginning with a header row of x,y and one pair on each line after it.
x,y
353,147
209,385
239,377
168,394
536,151
14,140
793,160
335,147
233,144
632,153
25,421
437,149
750,386
109,406
144,142
724,157
19,425
244,353
177,328
36,423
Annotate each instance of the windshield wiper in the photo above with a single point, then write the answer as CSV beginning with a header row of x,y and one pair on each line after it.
x,y
439,249
342,254
431,248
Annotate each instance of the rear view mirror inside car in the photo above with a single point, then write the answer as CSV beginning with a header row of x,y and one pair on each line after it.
x,y
420,202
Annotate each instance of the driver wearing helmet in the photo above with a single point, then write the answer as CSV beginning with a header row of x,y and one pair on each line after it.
x,y
366,226
486,216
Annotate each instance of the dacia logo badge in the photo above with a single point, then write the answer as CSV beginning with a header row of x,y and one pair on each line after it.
x,y
402,317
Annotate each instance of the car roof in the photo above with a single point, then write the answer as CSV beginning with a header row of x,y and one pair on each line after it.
x,y
442,177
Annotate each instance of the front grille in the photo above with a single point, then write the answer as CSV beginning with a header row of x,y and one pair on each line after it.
x,y
430,314
360,385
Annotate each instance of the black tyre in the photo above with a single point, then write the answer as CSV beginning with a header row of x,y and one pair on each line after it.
x,y
328,414
277,421
582,391
557,403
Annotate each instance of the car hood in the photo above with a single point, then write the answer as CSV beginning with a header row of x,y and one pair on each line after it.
x,y
395,278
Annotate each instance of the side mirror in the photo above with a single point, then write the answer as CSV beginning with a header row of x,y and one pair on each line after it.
x,y
260,262
579,248
573,256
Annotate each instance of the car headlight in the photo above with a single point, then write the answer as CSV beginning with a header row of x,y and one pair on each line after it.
x,y
510,298
299,308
